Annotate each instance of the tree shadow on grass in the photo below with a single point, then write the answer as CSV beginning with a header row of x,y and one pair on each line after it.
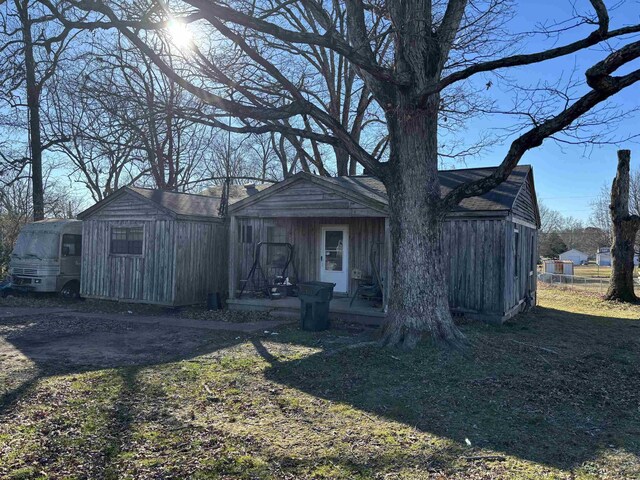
x,y
83,420
66,345
553,387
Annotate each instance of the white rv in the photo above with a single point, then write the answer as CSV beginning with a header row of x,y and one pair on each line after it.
x,y
46,257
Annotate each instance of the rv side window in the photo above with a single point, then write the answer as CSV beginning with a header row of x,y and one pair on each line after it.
x,y
71,245
126,241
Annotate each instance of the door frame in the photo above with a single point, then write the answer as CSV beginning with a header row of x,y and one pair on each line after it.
x,y
345,255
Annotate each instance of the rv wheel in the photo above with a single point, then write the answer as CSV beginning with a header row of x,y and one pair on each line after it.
x,y
71,290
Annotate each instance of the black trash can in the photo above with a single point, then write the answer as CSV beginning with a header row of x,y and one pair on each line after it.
x,y
314,305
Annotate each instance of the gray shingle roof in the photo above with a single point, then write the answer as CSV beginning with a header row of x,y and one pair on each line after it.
x,y
236,192
500,198
207,203
186,204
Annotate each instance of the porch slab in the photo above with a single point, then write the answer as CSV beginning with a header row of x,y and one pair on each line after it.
x,y
361,312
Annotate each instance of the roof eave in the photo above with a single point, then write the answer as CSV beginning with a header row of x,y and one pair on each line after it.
x,y
117,194
200,218
374,204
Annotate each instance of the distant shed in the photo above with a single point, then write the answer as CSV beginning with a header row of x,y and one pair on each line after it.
x,y
154,246
575,256
558,267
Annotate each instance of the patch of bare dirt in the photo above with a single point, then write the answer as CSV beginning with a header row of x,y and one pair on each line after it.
x,y
66,343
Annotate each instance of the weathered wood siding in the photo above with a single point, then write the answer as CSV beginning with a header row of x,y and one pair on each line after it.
x,y
517,288
524,205
147,277
479,247
181,260
365,234
202,261
129,207
472,249
297,199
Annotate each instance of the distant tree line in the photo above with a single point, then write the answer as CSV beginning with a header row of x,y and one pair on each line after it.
x,y
559,233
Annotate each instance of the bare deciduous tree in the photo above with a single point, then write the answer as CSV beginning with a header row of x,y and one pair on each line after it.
x,y
625,229
428,58
32,45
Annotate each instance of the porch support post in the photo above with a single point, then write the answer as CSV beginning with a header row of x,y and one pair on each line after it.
x,y
386,290
233,241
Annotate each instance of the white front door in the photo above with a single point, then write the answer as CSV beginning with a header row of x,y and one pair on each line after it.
x,y
334,256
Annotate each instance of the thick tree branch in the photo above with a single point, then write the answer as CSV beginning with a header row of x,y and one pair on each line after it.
x,y
604,86
449,27
594,38
331,39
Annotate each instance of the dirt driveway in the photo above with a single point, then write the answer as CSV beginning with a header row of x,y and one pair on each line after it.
x,y
34,342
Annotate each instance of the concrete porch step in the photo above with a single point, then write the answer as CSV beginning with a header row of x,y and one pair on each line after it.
x,y
289,307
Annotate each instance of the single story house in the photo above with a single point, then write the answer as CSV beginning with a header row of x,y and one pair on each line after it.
x,y
154,246
575,256
339,230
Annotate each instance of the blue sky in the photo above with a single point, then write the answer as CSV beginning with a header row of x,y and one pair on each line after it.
x,y
569,177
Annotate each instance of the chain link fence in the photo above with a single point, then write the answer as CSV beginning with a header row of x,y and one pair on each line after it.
x,y
573,282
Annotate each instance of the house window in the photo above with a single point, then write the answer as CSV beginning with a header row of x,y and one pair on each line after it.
x,y
127,240
71,245
276,255
245,234
516,251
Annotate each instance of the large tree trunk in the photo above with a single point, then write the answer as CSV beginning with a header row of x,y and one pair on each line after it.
x,y
33,105
419,296
342,161
625,228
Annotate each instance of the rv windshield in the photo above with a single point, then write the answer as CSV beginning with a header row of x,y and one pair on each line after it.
x,y
38,245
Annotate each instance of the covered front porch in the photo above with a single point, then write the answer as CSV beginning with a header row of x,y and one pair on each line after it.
x,y
349,252
310,229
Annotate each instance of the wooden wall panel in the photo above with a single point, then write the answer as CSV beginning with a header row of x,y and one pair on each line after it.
x,y
524,207
118,277
517,288
475,264
297,199
479,254
202,261
128,207
365,234
182,261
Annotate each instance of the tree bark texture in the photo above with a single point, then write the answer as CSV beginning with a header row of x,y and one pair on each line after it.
x,y
625,228
408,91
419,295
33,105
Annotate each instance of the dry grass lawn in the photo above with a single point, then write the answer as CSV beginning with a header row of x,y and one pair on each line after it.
x,y
552,394
595,271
